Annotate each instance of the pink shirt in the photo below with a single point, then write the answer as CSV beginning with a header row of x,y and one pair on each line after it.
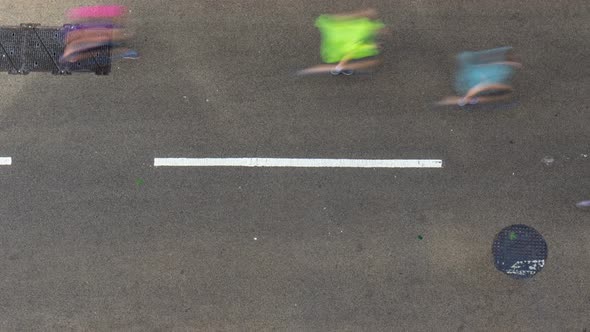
x,y
97,11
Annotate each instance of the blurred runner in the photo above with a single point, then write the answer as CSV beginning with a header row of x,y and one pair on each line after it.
x,y
94,28
483,76
349,42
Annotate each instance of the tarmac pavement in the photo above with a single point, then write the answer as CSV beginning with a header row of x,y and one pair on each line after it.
x,y
94,237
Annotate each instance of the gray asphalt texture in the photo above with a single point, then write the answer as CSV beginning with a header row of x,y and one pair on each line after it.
x,y
93,237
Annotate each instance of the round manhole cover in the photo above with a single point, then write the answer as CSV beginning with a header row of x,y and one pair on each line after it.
x,y
519,251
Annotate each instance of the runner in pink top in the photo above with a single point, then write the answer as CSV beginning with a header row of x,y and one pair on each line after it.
x,y
96,12
95,28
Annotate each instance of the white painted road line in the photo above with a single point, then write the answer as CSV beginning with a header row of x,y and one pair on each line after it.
x,y
299,162
5,161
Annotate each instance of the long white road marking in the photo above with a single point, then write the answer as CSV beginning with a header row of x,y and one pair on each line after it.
x,y
5,161
299,162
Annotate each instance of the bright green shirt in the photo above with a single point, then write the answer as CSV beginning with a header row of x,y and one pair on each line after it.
x,y
342,37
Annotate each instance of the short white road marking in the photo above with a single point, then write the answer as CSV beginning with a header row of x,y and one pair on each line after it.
x,y
299,162
5,161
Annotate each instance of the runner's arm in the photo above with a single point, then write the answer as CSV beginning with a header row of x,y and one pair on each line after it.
x,y
344,61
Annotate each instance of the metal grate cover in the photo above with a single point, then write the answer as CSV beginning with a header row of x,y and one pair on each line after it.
x,y
30,48
519,251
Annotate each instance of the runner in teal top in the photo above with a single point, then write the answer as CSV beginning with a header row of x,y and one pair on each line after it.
x,y
483,76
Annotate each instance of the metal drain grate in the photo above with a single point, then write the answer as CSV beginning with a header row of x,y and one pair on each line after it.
x,y
29,48
519,251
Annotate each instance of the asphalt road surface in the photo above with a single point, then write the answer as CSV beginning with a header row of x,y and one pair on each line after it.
x,y
94,237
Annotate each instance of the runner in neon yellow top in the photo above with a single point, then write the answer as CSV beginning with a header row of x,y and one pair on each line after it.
x,y
349,38
346,38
